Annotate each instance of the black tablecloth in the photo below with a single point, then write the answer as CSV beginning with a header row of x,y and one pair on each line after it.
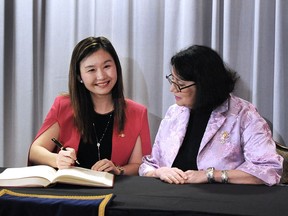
x,y
136,195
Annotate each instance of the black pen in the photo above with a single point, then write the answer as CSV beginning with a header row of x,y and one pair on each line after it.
x,y
61,147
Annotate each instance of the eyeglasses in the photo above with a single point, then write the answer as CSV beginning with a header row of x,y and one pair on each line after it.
x,y
177,86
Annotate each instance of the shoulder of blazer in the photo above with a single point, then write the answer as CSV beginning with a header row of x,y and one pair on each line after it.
x,y
132,106
63,100
175,110
62,106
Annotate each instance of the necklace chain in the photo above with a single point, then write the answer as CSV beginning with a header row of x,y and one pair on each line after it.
x,y
99,141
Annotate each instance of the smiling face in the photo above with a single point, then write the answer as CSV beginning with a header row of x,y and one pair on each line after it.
x,y
187,96
98,73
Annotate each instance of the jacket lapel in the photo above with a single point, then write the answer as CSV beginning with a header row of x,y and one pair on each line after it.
x,y
216,120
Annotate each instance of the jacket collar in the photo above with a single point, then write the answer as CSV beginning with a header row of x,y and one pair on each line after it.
x,y
216,120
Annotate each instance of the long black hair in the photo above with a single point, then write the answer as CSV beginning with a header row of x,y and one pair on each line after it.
x,y
80,97
214,81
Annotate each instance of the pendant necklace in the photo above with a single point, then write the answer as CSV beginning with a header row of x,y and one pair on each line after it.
x,y
99,141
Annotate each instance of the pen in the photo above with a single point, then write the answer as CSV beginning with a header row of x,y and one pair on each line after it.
x,y
59,145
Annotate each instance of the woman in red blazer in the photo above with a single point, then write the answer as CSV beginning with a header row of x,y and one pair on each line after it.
x,y
96,125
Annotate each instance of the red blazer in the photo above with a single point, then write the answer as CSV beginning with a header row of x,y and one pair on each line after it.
x,y
122,143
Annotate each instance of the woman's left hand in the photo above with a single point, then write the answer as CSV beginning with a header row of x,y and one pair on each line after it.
x,y
196,176
105,165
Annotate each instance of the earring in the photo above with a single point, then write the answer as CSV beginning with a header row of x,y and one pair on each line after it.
x,y
81,81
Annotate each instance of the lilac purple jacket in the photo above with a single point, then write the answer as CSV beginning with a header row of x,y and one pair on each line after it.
x,y
236,137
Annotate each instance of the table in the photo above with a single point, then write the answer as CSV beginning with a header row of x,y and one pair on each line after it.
x,y
135,195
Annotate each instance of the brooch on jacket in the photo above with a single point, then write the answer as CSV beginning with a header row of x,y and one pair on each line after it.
x,y
224,137
122,135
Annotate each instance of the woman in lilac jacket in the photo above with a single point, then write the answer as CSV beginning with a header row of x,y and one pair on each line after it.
x,y
210,135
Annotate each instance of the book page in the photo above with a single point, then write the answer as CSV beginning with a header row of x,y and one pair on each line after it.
x,y
27,176
82,176
25,182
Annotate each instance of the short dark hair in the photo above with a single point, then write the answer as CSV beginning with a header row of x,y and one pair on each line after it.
x,y
80,97
214,80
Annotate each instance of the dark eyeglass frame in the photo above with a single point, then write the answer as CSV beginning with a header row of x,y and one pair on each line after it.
x,y
169,78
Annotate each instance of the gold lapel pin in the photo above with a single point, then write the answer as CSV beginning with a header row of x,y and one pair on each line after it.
x,y
224,137
122,135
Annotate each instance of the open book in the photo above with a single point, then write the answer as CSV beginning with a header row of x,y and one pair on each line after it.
x,y
43,176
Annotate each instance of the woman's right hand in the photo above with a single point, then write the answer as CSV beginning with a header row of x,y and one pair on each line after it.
x,y
171,175
66,158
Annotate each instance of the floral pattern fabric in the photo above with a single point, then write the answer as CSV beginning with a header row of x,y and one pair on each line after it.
x,y
236,137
